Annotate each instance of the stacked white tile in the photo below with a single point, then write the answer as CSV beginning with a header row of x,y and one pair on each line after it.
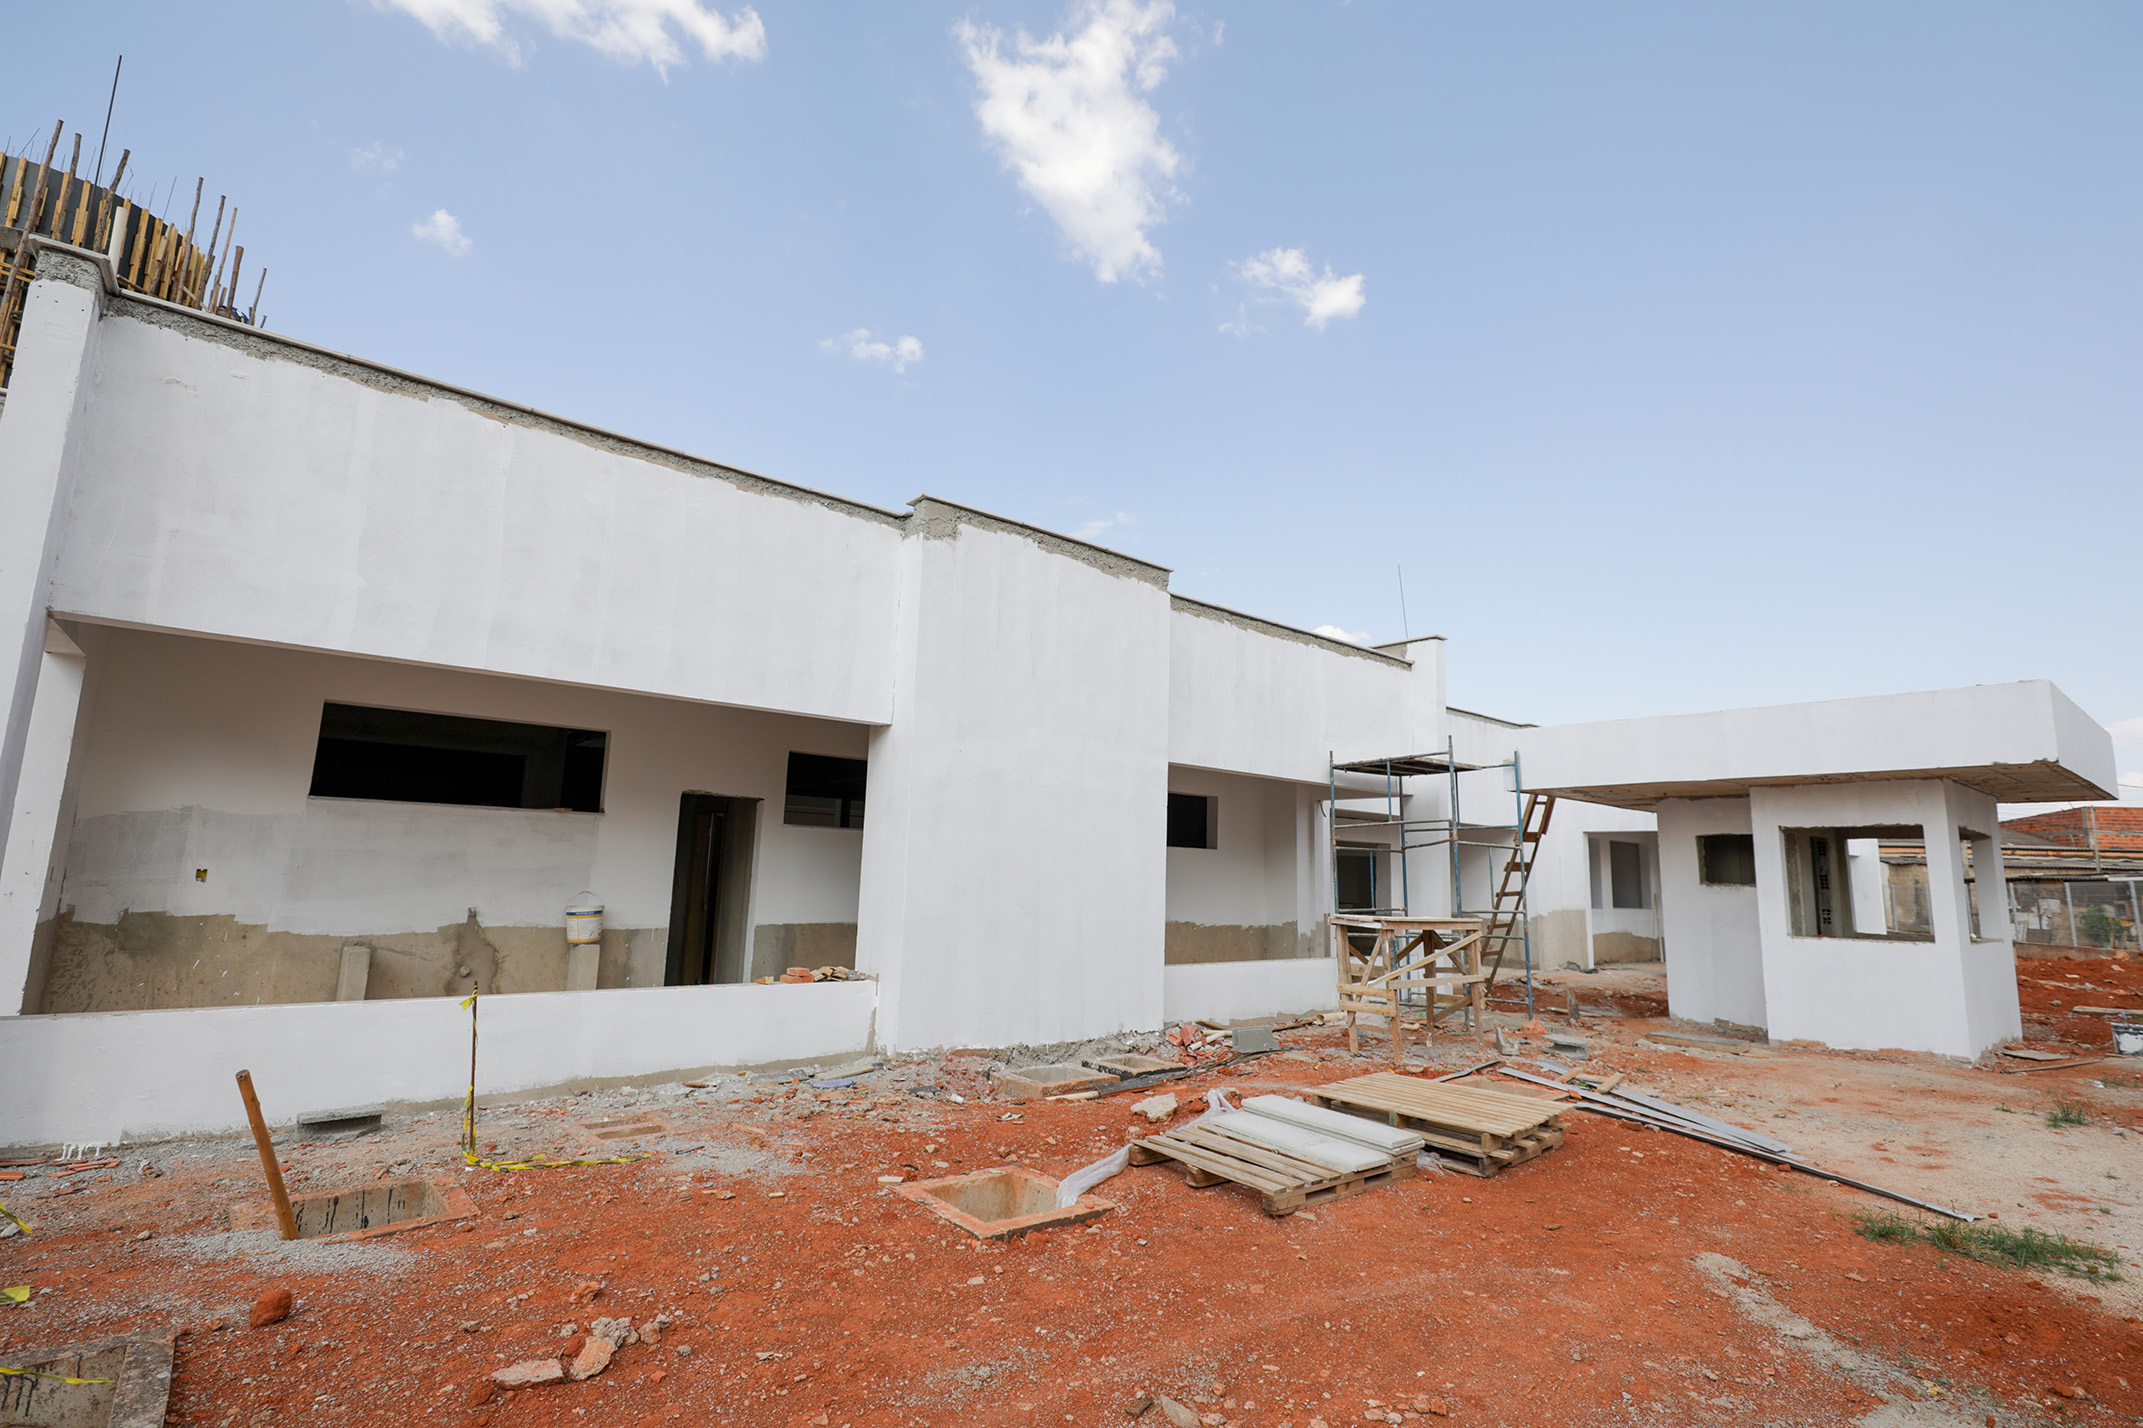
x,y
1342,1156
1389,1139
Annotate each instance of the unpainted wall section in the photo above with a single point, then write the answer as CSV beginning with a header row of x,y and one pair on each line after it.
x,y
199,871
241,487
1244,899
1559,892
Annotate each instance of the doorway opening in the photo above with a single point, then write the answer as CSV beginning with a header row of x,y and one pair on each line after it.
x,y
711,894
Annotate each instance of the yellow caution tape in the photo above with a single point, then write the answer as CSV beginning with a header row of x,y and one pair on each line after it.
x,y
20,1222
56,1377
16,1294
468,1124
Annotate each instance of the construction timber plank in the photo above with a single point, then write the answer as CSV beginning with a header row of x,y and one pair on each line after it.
x,y
1483,1131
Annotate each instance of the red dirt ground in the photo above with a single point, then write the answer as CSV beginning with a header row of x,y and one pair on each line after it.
x,y
1572,1290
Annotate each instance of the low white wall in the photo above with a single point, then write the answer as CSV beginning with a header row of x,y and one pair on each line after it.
x,y
1228,991
111,1077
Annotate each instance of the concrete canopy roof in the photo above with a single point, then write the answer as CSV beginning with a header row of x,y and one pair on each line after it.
x,y
2018,743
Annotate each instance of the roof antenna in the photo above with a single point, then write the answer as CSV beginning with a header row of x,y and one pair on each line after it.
x,y
1405,630
99,179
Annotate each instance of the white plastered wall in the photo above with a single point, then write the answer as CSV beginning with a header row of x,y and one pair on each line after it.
x,y
239,488
1714,939
197,754
1954,994
1014,877
1558,894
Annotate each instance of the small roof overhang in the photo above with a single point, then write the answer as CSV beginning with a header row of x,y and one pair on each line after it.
x,y
2017,743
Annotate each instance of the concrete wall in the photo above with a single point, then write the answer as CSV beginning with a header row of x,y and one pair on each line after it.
x,y
1014,868
1241,991
1559,893
196,755
1714,940
1249,696
235,485
1984,727
1954,994
135,1076
1253,896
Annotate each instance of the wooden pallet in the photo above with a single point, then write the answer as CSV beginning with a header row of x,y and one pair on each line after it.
x,y
1211,1157
1477,1130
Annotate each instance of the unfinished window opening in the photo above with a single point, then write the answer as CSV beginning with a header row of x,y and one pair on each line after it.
x,y
1191,820
401,756
1356,880
710,890
1625,870
1727,860
1833,890
1979,853
824,792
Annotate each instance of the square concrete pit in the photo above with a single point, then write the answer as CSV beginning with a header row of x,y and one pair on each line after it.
x,y
383,1209
1002,1204
138,1367
1132,1064
1058,1079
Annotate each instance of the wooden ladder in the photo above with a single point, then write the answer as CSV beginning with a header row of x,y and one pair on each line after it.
x,y
1504,913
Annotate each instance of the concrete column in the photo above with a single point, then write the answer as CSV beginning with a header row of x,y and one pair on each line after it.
x,y
45,396
29,865
1014,880
1988,962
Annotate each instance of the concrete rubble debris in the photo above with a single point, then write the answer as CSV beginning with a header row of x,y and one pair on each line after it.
x,y
1157,1108
593,1358
529,1373
1176,1413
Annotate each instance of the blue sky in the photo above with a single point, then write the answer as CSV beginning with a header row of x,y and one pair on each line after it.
x,y
1684,357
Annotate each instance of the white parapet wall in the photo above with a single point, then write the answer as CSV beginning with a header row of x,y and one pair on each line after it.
x,y
1235,991
108,1078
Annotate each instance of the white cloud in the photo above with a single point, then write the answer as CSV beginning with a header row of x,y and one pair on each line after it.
x,y
444,229
2126,731
2133,778
1285,274
628,31
375,158
1094,530
1334,632
1068,117
900,354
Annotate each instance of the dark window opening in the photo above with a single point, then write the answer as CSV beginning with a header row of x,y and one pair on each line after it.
x,y
1625,873
1190,820
1727,860
399,756
824,792
1357,877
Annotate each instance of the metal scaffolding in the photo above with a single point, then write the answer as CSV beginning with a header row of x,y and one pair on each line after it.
x,y
1506,916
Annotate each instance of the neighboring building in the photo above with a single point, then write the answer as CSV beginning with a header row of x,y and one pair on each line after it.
x,y
333,686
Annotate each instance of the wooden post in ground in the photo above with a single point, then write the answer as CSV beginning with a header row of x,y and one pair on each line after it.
x,y
267,1157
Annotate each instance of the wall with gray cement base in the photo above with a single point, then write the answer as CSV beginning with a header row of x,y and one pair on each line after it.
x,y
113,1077
198,871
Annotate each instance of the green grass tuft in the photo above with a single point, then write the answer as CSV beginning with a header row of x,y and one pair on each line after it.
x,y
2067,1113
2018,1248
1886,1227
